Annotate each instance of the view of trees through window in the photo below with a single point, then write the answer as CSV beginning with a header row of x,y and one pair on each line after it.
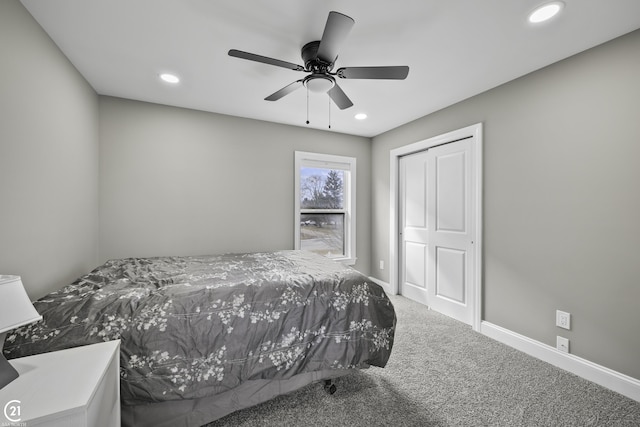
x,y
322,211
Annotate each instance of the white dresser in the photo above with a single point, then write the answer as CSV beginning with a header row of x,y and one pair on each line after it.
x,y
74,387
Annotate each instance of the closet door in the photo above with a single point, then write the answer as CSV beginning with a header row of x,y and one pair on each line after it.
x,y
449,269
436,220
414,227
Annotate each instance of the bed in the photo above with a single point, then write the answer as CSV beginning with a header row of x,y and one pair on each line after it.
x,y
204,336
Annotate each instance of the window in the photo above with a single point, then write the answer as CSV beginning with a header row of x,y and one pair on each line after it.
x,y
325,205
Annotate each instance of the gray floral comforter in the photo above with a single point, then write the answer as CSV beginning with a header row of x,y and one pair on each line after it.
x,y
192,327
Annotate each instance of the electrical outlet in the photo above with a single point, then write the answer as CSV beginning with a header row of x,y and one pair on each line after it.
x,y
563,319
381,265
562,344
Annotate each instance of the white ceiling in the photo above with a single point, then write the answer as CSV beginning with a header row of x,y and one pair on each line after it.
x,y
455,49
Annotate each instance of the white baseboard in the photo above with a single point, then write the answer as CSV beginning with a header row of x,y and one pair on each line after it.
x,y
385,285
605,377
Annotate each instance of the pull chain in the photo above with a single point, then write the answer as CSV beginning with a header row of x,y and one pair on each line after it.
x,y
307,105
329,112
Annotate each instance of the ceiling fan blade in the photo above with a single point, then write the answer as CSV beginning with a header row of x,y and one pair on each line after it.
x,y
335,32
265,60
284,91
393,73
339,97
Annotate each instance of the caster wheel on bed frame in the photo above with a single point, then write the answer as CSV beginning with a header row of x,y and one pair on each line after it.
x,y
329,386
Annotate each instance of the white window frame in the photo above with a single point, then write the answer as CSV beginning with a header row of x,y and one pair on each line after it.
x,y
329,161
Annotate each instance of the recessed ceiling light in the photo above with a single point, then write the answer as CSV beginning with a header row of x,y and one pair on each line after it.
x,y
545,12
170,78
360,116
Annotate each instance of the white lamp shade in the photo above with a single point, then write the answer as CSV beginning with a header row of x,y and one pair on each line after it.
x,y
15,307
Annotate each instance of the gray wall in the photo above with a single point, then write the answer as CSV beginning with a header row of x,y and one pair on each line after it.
x,y
182,182
561,200
48,158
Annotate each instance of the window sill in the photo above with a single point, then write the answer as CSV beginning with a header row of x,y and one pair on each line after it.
x,y
347,261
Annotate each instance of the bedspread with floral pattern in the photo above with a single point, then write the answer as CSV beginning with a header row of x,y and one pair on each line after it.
x,y
197,326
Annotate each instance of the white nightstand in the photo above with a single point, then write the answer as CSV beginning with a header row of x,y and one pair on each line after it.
x,y
75,387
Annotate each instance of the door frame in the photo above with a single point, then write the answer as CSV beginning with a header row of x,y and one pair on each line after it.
x,y
473,131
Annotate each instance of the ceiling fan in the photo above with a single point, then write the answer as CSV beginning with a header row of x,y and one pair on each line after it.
x,y
319,58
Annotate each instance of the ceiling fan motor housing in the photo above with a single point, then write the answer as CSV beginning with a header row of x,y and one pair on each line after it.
x,y
319,81
311,61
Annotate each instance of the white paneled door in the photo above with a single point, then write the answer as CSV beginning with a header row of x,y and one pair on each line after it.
x,y
436,228
414,226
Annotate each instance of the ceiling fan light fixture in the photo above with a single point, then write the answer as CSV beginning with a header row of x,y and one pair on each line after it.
x,y
545,12
319,83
